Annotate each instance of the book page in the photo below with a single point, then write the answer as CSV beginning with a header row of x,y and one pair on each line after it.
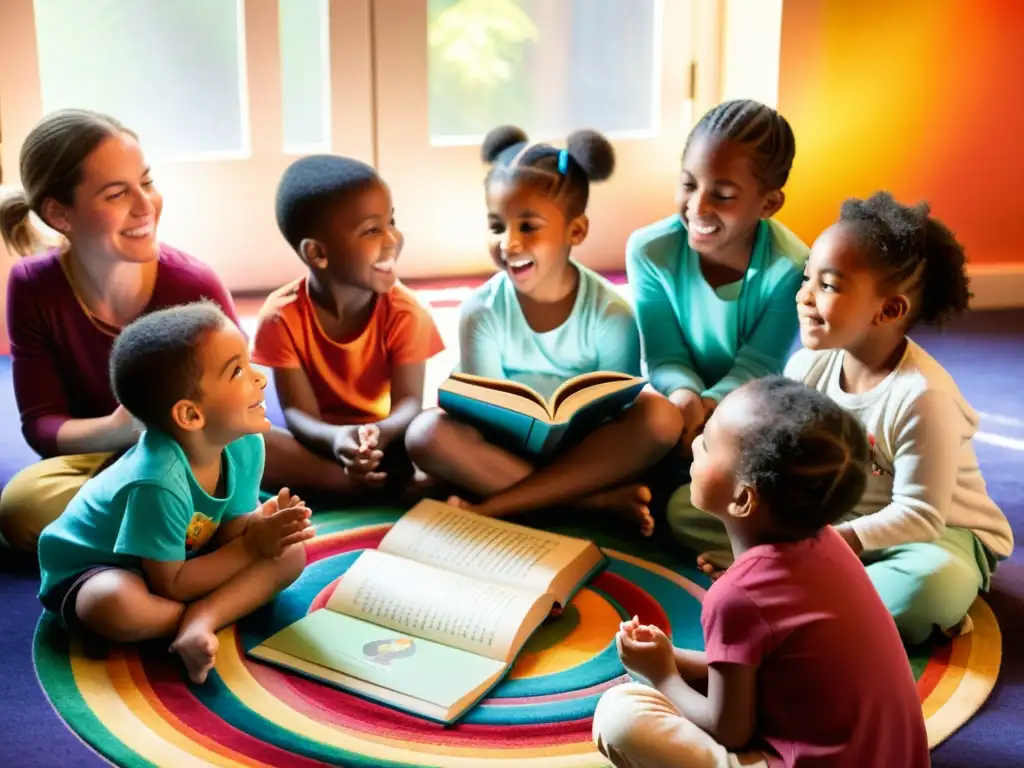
x,y
503,394
428,671
476,616
585,381
572,401
485,548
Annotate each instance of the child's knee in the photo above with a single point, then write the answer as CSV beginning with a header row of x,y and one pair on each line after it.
x,y
22,517
428,436
421,433
663,424
619,719
921,602
110,607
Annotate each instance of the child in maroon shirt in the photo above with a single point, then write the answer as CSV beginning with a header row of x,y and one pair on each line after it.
x,y
803,665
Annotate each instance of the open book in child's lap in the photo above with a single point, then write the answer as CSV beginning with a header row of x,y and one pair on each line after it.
x,y
434,618
517,416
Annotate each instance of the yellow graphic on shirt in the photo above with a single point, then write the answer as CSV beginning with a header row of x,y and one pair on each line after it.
x,y
200,531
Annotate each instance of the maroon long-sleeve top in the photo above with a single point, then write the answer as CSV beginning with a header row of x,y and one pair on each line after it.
x,y
60,354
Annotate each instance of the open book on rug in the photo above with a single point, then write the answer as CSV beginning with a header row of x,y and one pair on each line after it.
x,y
433,619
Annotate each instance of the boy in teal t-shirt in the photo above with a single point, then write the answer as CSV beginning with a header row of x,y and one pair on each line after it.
x,y
171,538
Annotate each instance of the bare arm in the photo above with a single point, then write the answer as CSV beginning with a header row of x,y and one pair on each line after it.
x,y
186,580
264,533
113,432
302,412
728,712
406,402
692,665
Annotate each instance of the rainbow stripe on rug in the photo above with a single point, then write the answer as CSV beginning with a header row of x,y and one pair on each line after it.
x,y
135,708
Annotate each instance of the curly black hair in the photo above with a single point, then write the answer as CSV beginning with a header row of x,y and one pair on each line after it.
x,y
589,157
808,458
915,253
765,133
311,187
154,362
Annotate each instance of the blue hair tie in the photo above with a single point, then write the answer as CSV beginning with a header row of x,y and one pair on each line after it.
x,y
563,161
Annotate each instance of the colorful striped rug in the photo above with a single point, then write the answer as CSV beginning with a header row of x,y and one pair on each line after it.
x,y
134,707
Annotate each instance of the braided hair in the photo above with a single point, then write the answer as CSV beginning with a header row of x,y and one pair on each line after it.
x,y
914,253
765,134
808,458
588,157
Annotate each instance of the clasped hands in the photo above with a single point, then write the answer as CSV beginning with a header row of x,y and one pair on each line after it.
x,y
645,650
359,450
280,522
696,411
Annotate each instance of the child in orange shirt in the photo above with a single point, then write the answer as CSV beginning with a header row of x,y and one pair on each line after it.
x,y
348,343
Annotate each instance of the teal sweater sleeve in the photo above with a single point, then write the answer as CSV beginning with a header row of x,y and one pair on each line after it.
x,y
668,356
618,343
765,350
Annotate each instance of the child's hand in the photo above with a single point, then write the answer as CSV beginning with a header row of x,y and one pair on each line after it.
x,y
691,407
646,651
851,538
709,404
357,449
284,499
628,627
279,299
274,528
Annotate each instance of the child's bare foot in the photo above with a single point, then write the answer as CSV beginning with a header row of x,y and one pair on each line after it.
x,y
197,646
628,500
714,563
420,486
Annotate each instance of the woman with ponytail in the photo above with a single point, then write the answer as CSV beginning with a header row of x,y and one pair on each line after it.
x,y
85,176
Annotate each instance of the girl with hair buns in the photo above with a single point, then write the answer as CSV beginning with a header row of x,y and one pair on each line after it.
x,y
85,175
541,320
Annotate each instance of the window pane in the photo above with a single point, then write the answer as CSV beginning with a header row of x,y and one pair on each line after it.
x,y
305,76
170,70
549,66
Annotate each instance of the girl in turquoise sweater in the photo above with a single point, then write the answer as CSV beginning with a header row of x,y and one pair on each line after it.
x,y
715,284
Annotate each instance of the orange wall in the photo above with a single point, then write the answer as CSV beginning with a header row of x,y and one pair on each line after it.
x,y
920,97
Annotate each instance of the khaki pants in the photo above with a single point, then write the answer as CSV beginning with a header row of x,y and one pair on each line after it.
x,y
38,495
636,726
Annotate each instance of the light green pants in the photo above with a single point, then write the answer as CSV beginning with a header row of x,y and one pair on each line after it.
x,y
924,584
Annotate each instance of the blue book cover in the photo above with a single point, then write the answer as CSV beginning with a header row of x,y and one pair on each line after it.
x,y
517,417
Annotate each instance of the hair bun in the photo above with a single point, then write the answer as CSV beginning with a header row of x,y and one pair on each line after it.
x,y
499,139
593,152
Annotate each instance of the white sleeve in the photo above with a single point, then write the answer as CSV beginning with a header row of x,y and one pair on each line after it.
x,y
479,345
799,365
926,441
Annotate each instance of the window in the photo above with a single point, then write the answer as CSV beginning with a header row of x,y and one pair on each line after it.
x,y
305,75
171,70
410,86
548,66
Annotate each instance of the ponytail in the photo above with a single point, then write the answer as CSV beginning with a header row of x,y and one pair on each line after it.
x,y
18,232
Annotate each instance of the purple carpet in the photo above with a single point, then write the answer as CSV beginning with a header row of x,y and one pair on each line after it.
x,y
984,352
